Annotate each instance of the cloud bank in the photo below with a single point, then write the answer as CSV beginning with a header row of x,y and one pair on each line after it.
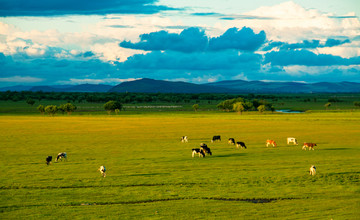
x,y
194,39
281,42
78,7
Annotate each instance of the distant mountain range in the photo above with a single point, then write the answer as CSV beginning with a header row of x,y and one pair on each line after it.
x,y
231,86
61,88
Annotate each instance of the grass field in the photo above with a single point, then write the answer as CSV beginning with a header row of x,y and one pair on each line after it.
x,y
151,174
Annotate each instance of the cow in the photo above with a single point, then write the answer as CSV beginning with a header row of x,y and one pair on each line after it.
x,y
48,160
205,148
309,145
216,138
270,142
199,151
61,156
312,170
292,140
102,170
231,141
184,139
240,144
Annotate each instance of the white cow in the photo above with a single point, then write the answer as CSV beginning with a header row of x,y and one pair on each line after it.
x,y
312,170
184,139
102,170
292,140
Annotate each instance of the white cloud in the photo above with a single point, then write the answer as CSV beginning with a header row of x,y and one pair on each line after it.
x,y
21,79
241,76
113,52
112,81
291,22
298,70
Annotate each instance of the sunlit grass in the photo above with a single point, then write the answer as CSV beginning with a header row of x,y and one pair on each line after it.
x,y
151,174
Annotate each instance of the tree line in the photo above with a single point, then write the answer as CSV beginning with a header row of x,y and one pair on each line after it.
x,y
240,105
126,98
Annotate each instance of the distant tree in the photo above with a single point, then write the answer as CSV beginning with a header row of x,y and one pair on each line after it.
x,y
61,108
110,106
69,108
327,105
51,109
117,111
41,109
30,101
248,106
272,108
226,105
357,104
261,108
195,107
238,107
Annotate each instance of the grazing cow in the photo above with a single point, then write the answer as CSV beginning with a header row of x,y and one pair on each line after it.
x,y
199,151
216,138
240,144
61,156
231,141
312,170
309,145
205,148
102,170
270,142
184,139
48,160
292,140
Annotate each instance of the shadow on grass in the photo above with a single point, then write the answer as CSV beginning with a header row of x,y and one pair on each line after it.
x,y
149,174
230,155
250,200
336,148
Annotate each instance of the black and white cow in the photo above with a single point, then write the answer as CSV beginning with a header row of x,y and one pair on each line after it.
x,y
240,144
231,141
216,138
205,148
102,170
184,139
199,151
61,156
48,160
291,140
312,170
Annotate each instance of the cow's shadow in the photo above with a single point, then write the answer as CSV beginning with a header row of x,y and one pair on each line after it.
x,y
336,148
230,155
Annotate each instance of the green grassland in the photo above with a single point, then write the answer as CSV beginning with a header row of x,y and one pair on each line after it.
x,y
151,174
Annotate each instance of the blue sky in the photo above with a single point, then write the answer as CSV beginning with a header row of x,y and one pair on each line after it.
x,y
108,42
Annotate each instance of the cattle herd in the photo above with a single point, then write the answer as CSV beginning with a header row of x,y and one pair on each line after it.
x,y
204,149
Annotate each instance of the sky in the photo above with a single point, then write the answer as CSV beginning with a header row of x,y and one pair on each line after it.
x,y
108,42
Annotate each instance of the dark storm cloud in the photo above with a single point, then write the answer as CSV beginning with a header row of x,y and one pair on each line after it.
x,y
194,61
231,17
307,58
78,7
189,40
233,38
194,39
53,69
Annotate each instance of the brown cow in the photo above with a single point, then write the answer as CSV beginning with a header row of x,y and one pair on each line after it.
x,y
309,145
270,142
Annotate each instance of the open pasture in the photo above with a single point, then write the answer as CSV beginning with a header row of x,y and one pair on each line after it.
x,y
151,174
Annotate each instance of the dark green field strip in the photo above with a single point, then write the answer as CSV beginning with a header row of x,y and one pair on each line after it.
x,y
249,200
93,186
